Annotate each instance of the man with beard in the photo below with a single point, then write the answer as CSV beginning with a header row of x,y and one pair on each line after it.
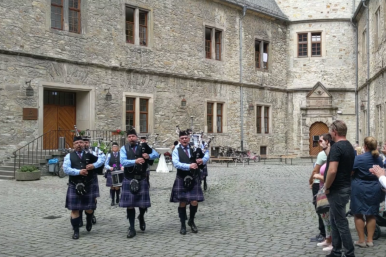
x,y
135,187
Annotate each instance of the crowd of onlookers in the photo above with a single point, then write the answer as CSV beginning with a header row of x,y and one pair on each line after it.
x,y
343,173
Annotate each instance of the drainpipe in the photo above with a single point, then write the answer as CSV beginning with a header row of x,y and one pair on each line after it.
x,y
368,64
241,79
356,75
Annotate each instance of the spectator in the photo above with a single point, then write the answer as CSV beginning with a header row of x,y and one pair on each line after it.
x,y
337,178
325,142
366,194
314,185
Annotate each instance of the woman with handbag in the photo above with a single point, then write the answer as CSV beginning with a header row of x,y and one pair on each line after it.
x,y
325,141
366,193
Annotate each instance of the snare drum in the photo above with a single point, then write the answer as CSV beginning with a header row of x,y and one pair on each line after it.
x,y
117,178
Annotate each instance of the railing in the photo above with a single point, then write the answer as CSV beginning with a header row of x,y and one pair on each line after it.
x,y
54,142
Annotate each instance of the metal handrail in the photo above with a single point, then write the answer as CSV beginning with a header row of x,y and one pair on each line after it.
x,y
48,143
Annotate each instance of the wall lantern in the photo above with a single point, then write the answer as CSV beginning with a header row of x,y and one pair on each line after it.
x,y
108,95
251,107
363,106
183,102
29,91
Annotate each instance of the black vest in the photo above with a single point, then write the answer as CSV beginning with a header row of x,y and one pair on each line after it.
x,y
115,160
183,159
136,169
77,163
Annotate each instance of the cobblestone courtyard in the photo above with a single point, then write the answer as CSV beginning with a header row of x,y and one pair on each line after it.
x,y
256,210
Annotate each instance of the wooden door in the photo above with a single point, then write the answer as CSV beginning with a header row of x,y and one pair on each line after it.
x,y
317,129
59,117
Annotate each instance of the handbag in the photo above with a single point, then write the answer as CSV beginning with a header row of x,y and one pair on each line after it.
x,y
322,204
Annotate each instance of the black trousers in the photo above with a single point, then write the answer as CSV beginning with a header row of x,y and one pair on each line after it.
x,y
315,189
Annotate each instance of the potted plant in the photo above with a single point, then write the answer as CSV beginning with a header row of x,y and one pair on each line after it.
x,y
118,132
28,173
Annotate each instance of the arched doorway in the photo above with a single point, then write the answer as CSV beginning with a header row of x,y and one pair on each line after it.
x,y
316,129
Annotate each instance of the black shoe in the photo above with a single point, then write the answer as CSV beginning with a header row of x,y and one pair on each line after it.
x,y
142,224
132,233
319,238
192,226
349,214
112,203
81,223
183,229
75,235
89,222
93,219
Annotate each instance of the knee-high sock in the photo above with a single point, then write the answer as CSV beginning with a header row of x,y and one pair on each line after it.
x,y
75,224
182,214
142,211
118,193
193,210
89,217
131,217
112,194
80,215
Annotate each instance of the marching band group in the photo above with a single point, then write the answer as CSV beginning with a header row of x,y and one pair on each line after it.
x,y
129,165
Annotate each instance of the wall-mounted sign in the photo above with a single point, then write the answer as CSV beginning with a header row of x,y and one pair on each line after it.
x,y
30,113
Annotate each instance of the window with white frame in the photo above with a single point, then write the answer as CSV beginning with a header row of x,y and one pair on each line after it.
x,y
137,28
312,47
137,114
263,119
215,117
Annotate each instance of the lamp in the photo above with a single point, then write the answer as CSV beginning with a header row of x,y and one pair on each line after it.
x,y
363,106
251,107
183,102
29,91
108,95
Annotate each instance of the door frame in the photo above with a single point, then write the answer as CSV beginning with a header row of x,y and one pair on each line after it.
x,y
90,112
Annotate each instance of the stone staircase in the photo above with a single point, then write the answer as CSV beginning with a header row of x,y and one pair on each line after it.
x,y
36,158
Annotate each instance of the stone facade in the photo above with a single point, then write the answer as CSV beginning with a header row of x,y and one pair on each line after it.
x,y
173,66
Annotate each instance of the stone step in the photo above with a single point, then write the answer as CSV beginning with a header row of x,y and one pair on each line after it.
x,y
26,161
6,172
6,177
11,168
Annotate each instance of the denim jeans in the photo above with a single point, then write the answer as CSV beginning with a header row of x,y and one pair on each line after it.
x,y
340,231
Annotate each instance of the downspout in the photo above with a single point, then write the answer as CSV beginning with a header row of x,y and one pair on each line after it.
x,y
241,79
368,64
356,76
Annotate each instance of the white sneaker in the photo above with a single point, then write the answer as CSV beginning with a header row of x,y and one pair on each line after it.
x,y
328,248
324,243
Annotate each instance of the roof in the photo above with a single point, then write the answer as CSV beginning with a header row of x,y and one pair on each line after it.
x,y
268,7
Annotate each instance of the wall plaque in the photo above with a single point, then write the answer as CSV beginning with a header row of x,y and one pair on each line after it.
x,y
30,113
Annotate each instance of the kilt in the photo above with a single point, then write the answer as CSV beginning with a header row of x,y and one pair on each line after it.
x,y
95,186
140,199
204,172
77,202
109,180
179,193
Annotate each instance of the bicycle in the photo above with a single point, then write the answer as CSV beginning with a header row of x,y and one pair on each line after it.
x,y
59,168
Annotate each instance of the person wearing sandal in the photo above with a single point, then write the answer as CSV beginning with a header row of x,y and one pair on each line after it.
x,y
366,193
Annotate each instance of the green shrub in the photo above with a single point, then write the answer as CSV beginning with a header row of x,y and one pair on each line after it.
x,y
156,160
28,168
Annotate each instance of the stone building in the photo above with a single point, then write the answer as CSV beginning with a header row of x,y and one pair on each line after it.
x,y
164,61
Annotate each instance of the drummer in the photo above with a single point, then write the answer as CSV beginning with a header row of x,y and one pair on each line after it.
x,y
112,164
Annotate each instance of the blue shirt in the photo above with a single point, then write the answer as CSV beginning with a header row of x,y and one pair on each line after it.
x,y
107,166
129,163
75,172
185,166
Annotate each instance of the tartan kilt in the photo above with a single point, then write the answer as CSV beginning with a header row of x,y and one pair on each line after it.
x,y
95,186
109,180
140,199
204,172
78,202
179,193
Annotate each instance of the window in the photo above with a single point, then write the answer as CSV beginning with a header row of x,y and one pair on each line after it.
x,y
136,20
209,117
130,25
71,18
208,43
57,14
218,44
261,60
213,51
143,115
263,119
316,44
303,45
130,113
74,16
219,118
263,150
215,117
377,26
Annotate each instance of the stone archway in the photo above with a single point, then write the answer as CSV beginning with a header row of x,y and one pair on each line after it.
x,y
316,129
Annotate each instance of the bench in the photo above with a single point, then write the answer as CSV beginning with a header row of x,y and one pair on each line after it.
x,y
290,156
270,157
224,159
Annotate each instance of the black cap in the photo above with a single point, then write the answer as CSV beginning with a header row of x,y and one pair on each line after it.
x,y
143,137
131,132
183,133
115,143
175,142
77,138
86,139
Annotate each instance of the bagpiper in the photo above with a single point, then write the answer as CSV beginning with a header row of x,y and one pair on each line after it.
x,y
187,186
113,163
135,188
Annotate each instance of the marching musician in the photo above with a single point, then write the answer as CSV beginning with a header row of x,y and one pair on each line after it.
x,y
113,163
187,186
135,188
80,193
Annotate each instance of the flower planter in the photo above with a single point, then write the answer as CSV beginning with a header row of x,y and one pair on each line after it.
x,y
114,133
27,176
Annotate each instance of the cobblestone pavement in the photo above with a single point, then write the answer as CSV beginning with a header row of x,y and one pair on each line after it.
x,y
256,210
